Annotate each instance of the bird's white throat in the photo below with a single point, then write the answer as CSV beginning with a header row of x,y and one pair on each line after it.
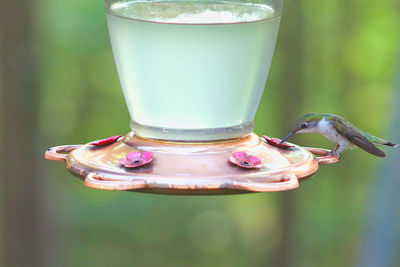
x,y
326,128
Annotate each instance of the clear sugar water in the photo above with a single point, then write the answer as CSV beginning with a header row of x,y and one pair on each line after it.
x,y
189,70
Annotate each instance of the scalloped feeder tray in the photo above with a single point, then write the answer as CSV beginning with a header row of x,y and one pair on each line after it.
x,y
190,168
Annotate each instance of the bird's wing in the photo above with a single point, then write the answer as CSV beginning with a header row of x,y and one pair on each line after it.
x,y
351,133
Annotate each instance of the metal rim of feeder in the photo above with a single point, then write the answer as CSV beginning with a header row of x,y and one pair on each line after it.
x,y
190,168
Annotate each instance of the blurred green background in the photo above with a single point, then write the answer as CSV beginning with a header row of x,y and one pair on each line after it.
x,y
331,56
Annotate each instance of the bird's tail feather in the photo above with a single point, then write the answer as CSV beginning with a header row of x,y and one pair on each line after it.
x,y
391,144
378,141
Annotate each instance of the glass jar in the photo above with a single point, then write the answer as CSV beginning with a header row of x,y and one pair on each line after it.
x,y
193,70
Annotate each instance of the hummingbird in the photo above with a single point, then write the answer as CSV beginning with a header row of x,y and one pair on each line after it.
x,y
340,131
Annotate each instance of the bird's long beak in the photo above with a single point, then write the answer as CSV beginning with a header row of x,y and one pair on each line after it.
x,y
288,136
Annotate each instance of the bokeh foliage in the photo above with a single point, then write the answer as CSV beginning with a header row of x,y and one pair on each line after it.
x,y
349,52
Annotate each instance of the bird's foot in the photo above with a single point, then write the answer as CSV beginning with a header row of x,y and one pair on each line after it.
x,y
334,153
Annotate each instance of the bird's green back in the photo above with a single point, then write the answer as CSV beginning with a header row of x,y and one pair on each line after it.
x,y
350,126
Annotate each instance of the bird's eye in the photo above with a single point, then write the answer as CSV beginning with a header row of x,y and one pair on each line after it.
x,y
303,125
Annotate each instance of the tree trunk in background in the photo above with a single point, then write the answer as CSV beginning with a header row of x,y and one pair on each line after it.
x,y
19,184
291,37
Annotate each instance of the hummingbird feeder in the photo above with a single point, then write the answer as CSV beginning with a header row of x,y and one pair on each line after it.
x,y
192,73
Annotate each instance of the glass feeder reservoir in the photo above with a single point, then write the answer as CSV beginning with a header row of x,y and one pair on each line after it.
x,y
193,70
192,74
